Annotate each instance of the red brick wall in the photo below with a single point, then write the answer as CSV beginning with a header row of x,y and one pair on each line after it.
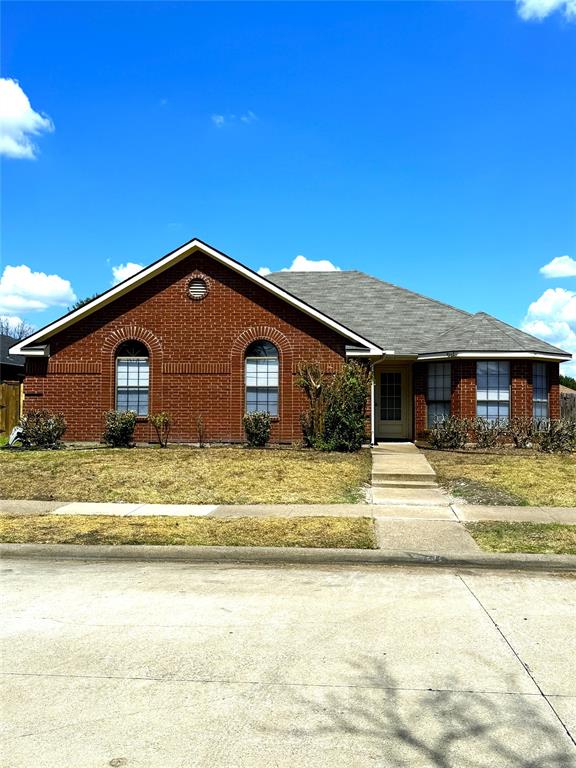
x,y
196,355
463,400
420,383
554,390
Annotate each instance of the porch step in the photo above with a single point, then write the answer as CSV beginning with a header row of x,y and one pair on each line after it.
x,y
414,497
387,482
410,477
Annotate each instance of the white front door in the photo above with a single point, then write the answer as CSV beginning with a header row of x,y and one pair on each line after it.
x,y
393,402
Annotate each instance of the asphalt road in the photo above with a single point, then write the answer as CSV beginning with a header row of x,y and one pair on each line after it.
x,y
173,665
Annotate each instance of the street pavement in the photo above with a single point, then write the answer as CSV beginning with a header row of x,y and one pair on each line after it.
x,y
178,665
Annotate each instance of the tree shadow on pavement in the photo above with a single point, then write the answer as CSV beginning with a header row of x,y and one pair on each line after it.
x,y
448,728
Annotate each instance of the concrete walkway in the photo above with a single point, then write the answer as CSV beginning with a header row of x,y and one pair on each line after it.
x,y
402,476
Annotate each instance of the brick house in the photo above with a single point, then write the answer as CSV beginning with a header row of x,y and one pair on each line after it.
x,y
199,334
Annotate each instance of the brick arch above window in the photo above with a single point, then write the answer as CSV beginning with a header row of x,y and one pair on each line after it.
x,y
128,333
260,333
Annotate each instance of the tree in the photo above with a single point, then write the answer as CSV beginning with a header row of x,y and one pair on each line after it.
x,y
18,329
82,302
568,381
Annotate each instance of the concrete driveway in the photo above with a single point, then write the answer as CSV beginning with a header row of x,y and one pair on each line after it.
x,y
172,665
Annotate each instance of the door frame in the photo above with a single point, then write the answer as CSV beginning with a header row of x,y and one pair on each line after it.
x,y
406,428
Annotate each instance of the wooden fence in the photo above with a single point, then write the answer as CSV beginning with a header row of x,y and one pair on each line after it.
x,y
10,406
568,405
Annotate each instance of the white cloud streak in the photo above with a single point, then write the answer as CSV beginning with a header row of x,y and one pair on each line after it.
x,y
302,264
561,266
18,122
537,10
122,272
22,290
246,118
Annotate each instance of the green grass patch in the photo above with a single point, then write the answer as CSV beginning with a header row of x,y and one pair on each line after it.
x,y
533,538
518,477
185,476
348,532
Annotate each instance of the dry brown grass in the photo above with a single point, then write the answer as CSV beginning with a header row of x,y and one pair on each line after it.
x,y
185,476
533,538
350,532
534,479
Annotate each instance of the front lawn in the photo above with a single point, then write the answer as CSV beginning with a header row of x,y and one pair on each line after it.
x,y
350,532
534,538
185,475
517,477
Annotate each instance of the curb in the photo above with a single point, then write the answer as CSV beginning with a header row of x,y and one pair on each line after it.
x,y
288,556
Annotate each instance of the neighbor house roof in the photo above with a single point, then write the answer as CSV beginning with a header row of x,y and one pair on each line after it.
x,y
5,358
36,344
405,322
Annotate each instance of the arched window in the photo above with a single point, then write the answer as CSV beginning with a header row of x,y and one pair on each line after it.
x,y
132,377
261,365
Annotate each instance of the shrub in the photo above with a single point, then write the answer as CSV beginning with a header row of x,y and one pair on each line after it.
x,y
522,430
162,422
557,436
451,432
346,401
119,428
257,426
336,416
313,382
42,429
488,433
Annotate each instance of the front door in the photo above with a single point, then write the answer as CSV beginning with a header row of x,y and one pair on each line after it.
x,y
393,403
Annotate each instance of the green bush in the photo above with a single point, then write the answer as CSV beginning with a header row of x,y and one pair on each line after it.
x,y
451,432
257,426
119,428
346,402
42,429
162,422
557,436
488,434
522,430
336,416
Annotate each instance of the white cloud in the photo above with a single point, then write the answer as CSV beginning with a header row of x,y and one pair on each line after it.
x,y
245,118
561,266
248,117
536,10
22,290
552,317
124,271
302,264
18,122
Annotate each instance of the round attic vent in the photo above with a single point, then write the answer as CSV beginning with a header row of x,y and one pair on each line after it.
x,y
197,288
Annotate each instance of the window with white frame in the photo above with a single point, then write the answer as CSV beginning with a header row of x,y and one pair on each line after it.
x,y
439,391
132,378
539,391
261,366
493,389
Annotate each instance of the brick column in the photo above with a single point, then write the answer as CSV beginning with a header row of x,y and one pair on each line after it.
x,y
419,375
463,400
554,390
521,388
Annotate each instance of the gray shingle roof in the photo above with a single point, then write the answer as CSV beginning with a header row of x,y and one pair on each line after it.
x,y
401,320
5,359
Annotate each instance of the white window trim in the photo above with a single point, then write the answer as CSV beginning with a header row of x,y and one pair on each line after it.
x,y
508,401
247,358
123,358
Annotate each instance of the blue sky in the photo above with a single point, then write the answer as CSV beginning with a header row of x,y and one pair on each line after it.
x,y
431,144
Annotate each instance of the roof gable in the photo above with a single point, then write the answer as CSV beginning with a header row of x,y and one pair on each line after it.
x,y
35,344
